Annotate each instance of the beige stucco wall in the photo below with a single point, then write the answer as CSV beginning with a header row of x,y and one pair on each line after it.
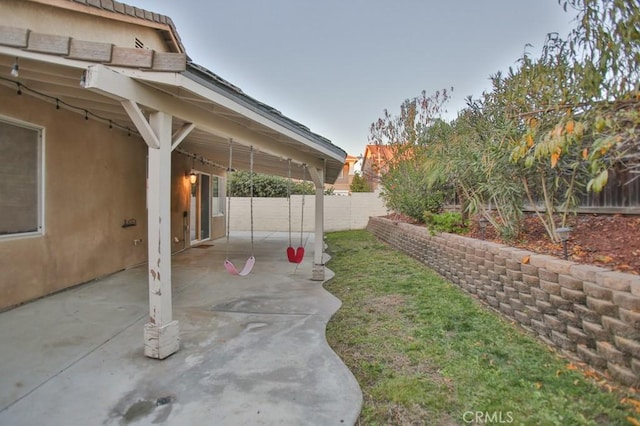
x,y
94,180
341,213
48,19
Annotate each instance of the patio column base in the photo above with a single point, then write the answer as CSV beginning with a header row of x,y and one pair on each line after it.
x,y
161,341
317,273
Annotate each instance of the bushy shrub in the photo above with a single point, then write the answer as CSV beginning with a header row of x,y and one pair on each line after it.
x,y
451,222
405,190
265,185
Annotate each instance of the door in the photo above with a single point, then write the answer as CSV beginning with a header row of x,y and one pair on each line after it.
x,y
200,216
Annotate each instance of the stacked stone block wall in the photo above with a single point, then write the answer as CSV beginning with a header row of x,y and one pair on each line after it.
x,y
588,311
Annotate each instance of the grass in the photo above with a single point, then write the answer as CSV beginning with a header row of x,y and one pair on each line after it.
x,y
425,352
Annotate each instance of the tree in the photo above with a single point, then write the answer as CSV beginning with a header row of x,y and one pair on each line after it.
x,y
404,185
548,131
359,184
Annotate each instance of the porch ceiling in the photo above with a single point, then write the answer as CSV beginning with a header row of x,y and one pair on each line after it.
x,y
218,109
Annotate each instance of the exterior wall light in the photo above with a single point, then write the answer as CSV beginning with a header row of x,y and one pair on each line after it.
x,y
193,179
564,234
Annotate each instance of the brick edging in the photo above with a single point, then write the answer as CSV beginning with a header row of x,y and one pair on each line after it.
x,y
591,312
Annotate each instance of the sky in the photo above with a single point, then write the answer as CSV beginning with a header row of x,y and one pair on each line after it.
x,y
336,65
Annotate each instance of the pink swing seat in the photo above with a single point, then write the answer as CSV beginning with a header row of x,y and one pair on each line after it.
x,y
248,266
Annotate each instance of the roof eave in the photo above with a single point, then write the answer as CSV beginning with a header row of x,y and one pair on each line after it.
x,y
213,82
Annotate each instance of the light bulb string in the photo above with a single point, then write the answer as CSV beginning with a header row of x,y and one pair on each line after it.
x,y
59,103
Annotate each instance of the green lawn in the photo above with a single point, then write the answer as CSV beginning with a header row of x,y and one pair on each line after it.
x,y
425,352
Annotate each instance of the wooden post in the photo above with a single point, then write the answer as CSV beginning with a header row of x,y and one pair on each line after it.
x,y
161,333
317,274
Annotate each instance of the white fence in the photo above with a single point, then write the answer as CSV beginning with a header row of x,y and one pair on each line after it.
x,y
341,213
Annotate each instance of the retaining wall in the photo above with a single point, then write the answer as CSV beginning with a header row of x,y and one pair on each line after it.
x,y
591,312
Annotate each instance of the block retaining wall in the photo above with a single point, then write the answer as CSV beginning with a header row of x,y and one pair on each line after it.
x,y
590,312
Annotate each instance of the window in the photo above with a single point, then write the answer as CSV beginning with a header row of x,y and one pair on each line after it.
x,y
21,206
217,193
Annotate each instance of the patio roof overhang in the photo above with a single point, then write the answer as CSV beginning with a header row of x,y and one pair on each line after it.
x,y
210,108
193,110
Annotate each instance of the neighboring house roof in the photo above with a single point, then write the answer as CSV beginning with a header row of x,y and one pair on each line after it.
x,y
376,157
351,159
192,94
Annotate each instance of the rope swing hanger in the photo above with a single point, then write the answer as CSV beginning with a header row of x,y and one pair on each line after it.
x,y
295,255
248,266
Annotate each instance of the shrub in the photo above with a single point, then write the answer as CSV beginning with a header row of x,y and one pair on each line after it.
x,y
451,222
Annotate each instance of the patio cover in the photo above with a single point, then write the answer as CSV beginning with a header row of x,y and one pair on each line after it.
x,y
189,107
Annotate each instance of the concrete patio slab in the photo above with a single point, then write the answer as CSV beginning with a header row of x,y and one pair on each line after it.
x,y
253,349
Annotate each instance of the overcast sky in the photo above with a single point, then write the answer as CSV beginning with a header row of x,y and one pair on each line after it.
x,y
335,65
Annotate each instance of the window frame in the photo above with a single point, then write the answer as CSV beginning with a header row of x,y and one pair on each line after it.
x,y
221,196
40,162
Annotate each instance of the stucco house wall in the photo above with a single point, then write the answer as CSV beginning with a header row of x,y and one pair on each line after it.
x,y
94,179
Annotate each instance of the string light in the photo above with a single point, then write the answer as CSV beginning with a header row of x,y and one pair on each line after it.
x,y
60,103
200,158
15,69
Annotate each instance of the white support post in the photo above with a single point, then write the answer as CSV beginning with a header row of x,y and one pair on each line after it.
x,y
317,274
161,335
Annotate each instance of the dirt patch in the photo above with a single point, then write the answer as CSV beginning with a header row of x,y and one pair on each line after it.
x,y
387,303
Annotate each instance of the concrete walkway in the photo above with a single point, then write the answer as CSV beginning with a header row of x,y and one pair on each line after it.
x,y
253,349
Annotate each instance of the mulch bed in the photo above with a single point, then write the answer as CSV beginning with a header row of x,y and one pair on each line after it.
x,y
609,241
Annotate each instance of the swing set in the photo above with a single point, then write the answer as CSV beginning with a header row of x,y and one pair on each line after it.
x,y
294,255
248,266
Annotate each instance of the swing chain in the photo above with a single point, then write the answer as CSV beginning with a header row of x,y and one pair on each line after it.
x,y
304,178
229,188
289,199
251,185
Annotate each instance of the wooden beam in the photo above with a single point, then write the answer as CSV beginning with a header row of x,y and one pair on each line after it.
x,y
131,57
232,105
161,333
90,50
181,134
15,37
317,274
141,123
163,61
118,86
48,43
